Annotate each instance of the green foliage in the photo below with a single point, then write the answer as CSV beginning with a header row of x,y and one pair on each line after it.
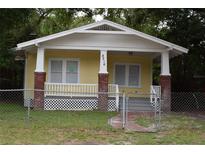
x,y
11,24
63,19
185,27
19,25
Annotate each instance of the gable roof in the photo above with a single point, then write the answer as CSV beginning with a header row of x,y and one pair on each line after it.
x,y
103,26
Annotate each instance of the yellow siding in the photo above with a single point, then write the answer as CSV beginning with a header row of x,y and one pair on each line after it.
x,y
89,67
89,63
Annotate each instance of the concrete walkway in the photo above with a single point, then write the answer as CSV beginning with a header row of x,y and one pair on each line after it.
x,y
116,122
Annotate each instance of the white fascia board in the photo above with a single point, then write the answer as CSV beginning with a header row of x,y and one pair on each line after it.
x,y
57,35
84,29
163,42
149,37
71,31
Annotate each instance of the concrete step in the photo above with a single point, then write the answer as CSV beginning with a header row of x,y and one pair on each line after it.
x,y
135,107
139,105
140,110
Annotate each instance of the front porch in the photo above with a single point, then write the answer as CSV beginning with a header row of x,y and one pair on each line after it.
x,y
78,97
64,79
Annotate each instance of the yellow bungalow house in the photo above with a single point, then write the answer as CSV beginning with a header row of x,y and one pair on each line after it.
x,y
99,57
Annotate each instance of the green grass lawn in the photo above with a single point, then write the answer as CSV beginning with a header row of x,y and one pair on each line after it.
x,y
63,127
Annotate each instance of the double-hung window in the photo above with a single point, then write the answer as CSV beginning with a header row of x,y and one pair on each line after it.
x,y
127,75
64,71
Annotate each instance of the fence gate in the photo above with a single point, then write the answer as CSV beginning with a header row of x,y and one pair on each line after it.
x,y
140,112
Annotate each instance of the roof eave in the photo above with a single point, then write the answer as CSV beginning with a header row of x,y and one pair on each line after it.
x,y
78,29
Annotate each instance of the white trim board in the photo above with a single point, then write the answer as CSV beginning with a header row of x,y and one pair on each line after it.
x,y
84,29
97,48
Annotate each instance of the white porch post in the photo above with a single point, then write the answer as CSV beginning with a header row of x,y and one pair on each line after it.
x,y
103,62
39,80
165,81
103,82
40,60
165,63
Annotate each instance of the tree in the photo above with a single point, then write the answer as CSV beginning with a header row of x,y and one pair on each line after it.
x,y
186,27
63,19
11,24
19,25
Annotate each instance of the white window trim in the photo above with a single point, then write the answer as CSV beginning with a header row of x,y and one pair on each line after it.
x,y
127,74
64,60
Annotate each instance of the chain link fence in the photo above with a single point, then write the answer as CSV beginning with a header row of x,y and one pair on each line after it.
x,y
12,110
60,109
188,101
40,108
57,109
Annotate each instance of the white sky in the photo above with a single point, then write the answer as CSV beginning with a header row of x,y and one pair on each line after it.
x,y
95,17
102,4
98,17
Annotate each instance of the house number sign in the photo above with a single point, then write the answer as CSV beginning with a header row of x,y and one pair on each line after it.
x,y
103,59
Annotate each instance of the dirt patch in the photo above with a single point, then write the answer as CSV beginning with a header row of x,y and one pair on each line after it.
x,y
116,122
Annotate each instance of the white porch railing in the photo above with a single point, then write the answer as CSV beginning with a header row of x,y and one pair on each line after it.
x,y
72,89
80,90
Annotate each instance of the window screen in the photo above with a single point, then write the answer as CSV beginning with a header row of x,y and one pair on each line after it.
x,y
120,74
56,71
133,75
72,72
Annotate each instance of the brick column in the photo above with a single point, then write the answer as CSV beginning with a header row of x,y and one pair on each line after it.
x,y
39,80
103,87
165,82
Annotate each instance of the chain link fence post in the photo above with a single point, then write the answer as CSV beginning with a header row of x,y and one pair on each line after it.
x,y
155,110
126,110
123,110
28,112
27,106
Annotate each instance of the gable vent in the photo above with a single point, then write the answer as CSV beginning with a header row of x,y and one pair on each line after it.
x,y
105,28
